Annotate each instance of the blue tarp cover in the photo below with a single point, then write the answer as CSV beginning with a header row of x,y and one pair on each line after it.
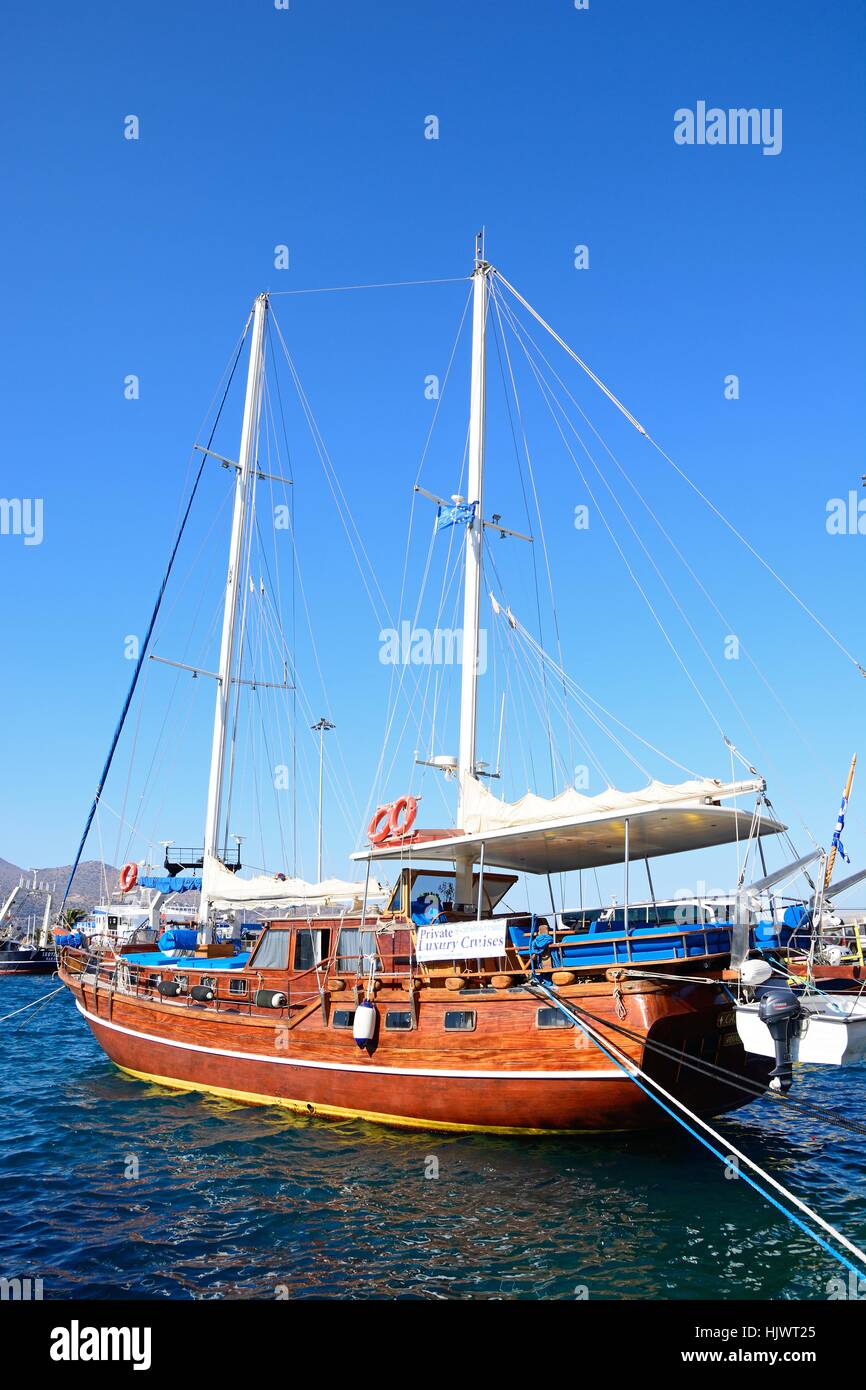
x,y
155,959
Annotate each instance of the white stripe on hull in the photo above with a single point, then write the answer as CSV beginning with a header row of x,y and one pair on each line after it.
x,y
586,1075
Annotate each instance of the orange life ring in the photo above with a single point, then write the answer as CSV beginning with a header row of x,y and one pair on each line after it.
x,y
407,807
128,877
380,826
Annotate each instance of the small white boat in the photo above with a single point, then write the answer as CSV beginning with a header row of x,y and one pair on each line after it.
x,y
830,1030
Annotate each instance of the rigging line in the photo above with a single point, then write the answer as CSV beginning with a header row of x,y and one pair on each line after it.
x,y
623,557
233,701
381,285
702,495
539,697
572,727
160,751
571,724
650,557
407,549
291,514
272,630
162,746
448,591
147,636
394,697
299,691
634,1072
290,501
682,558
717,673
519,686
496,338
677,551
448,582
579,691
757,555
102,865
229,367
344,511
714,1071
381,776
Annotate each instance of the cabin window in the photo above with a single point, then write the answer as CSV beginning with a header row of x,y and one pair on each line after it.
x,y
209,981
576,923
237,986
344,1018
398,1020
357,951
552,1018
272,952
307,949
459,1020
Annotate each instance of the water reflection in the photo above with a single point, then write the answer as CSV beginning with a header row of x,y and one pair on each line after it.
x,y
241,1201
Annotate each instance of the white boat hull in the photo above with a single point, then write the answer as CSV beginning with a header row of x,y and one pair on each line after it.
x,y
828,1034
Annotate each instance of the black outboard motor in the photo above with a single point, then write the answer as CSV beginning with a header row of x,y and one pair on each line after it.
x,y
779,1008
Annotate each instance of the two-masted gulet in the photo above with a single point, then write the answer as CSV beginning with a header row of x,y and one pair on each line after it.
x,y
437,1006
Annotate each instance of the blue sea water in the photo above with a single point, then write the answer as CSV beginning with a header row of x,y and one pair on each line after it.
x,y
111,1188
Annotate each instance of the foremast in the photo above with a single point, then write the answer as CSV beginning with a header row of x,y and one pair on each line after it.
x,y
228,646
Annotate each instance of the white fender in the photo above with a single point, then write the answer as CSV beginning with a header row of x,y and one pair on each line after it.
x,y
364,1025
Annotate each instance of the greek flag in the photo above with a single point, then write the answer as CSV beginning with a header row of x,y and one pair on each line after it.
x,y
840,826
453,516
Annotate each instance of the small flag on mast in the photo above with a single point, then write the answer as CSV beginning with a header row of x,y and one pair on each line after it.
x,y
462,513
840,826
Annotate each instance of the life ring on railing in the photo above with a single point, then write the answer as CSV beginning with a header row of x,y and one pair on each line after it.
x,y
393,821
380,826
128,877
407,808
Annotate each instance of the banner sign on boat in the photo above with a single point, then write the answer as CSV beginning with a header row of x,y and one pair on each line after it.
x,y
460,940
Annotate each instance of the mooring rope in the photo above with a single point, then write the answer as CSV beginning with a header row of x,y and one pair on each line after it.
x,y
43,998
631,1069
731,1078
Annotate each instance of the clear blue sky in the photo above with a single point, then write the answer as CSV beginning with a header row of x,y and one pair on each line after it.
x,y
306,127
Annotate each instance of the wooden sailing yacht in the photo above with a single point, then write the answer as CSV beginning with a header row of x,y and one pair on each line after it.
x,y
434,1005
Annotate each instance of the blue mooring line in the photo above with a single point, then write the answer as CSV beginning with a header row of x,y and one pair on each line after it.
x,y
860,1273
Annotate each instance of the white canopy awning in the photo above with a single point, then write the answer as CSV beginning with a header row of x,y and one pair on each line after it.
x,y
483,812
225,890
571,831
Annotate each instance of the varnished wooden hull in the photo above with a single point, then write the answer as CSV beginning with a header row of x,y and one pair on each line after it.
x,y
508,1076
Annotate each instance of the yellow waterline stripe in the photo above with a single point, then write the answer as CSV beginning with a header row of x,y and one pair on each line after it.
x,y
338,1111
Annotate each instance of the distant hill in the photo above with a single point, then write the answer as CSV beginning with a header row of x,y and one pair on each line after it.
x,y
87,886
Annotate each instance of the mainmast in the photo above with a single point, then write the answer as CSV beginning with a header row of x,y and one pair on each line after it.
x,y
245,469
466,762
475,528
